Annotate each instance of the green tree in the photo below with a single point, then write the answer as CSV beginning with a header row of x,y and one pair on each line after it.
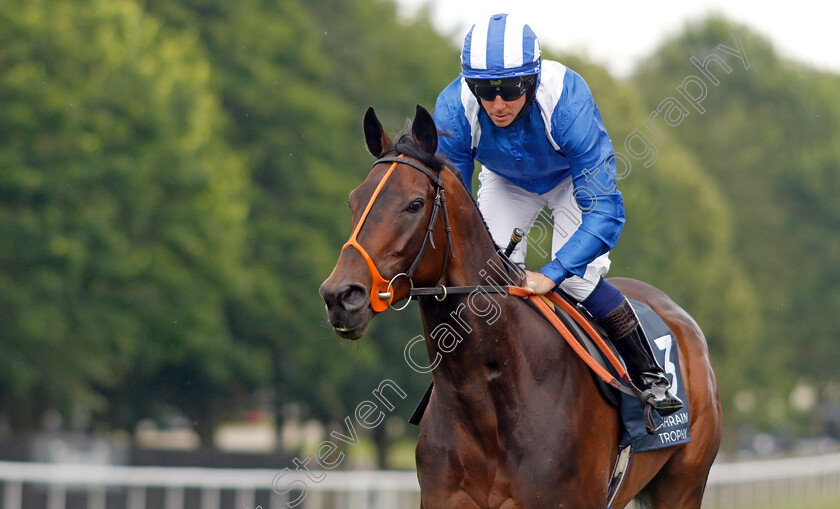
x,y
122,215
295,79
769,138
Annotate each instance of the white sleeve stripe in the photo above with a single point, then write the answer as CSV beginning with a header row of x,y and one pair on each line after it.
x,y
471,106
549,92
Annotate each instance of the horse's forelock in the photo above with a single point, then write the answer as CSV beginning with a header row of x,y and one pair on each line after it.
x,y
405,145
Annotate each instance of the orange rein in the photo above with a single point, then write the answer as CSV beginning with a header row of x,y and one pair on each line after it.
x,y
567,335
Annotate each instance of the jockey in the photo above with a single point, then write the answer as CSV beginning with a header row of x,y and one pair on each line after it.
x,y
534,127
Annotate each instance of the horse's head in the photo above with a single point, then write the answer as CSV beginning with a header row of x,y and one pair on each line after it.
x,y
398,237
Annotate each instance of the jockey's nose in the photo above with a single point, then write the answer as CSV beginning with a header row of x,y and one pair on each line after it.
x,y
498,103
349,296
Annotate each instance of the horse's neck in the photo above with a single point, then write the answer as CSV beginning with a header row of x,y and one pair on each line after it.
x,y
475,260
476,334
494,359
466,331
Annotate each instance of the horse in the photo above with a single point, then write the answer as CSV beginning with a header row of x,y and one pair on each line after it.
x,y
515,419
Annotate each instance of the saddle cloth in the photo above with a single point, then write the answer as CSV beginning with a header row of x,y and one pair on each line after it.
x,y
673,429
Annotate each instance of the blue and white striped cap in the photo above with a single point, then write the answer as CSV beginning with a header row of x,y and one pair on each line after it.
x,y
500,47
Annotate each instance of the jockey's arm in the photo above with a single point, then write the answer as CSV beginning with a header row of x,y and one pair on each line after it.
x,y
586,144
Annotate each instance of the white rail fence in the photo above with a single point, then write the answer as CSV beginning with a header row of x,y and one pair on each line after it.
x,y
781,483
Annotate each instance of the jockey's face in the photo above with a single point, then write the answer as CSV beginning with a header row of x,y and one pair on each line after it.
x,y
503,112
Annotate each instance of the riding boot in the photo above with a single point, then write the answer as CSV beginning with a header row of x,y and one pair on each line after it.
x,y
625,332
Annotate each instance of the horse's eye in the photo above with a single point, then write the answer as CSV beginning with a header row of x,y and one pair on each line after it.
x,y
416,206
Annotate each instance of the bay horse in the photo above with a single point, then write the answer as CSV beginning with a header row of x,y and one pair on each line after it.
x,y
515,419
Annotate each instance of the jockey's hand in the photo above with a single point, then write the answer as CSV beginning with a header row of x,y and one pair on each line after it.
x,y
537,283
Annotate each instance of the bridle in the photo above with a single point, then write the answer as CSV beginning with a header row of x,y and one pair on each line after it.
x,y
381,294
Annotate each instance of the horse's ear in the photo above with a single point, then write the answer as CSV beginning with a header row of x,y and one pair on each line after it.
x,y
423,131
375,137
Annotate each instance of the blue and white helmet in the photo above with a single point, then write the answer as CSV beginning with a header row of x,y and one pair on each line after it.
x,y
500,47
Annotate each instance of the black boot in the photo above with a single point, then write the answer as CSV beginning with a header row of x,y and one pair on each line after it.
x,y
625,332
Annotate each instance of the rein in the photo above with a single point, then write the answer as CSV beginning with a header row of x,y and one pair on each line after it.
x,y
441,292
542,304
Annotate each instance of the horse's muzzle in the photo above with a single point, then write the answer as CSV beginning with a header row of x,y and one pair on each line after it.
x,y
348,308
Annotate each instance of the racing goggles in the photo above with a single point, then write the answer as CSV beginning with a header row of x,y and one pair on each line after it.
x,y
509,88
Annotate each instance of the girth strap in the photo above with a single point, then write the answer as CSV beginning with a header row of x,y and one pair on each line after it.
x,y
627,387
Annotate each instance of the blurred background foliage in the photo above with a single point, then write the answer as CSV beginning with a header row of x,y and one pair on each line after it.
x,y
173,178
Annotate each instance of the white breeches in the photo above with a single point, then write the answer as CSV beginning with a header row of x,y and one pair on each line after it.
x,y
506,206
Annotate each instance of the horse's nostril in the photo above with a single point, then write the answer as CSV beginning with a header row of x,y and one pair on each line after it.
x,y
352,296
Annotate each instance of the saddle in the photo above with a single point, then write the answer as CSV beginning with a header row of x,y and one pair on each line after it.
x,y
641,430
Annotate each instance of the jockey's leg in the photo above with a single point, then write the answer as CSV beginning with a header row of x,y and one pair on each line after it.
x,y
613,313
610,308
506,206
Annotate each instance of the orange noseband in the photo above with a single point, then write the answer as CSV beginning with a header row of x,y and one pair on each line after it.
x,y
379,284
